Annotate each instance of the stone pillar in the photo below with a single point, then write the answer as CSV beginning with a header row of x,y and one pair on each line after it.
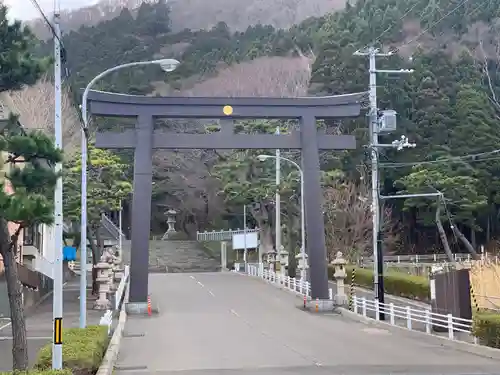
x,y
339,264
103,270
223,254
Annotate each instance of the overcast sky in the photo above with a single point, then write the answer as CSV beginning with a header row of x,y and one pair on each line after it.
x,y
24,9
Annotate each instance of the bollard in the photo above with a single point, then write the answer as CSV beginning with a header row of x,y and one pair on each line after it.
x,y
317,305
150,311
352,289
305,301
474,298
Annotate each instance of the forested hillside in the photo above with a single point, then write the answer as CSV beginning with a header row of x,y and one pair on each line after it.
x,y
201,14
448,106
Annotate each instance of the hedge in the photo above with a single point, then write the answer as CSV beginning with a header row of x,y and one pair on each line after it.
x,y
395,283
486,327
83,351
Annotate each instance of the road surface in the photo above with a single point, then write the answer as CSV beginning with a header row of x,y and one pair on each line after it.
x,y
228,324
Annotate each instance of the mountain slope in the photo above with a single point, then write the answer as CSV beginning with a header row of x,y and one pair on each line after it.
x,y
202,14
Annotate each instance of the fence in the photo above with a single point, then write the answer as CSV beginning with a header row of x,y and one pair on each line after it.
x,y
107,318
120,291
411,316
112,229
426,258
222,235
291,283
404,316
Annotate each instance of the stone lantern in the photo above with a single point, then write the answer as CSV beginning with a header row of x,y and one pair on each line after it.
x,y
301,266
171,220
271,259
103,271
283,259
339,264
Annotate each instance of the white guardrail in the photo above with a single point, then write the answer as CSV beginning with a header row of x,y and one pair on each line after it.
x,y
222,235
396,313
107,318
425,258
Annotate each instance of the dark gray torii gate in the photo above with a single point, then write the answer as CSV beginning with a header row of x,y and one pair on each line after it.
x,y
144,139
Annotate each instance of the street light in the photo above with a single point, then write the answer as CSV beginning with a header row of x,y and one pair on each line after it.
x,y
302,212
168,65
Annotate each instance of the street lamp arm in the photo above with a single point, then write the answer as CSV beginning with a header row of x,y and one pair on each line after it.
x,y
102,75
286,159
97,78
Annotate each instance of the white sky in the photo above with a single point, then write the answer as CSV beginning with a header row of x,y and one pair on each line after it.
x,y
24,9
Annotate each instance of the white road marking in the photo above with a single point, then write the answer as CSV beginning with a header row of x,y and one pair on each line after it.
x,y
5,325
201,284
235,313
192,277
211,293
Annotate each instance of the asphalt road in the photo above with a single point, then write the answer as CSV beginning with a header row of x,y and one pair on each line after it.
x,y
228,324
39,325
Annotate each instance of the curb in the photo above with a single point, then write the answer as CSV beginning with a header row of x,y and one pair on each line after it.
x,y
479,350
108,363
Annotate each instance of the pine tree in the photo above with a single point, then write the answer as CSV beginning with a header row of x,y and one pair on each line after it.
x,y
26,199
30,180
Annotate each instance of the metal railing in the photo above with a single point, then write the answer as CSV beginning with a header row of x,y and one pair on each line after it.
x,y
120,291
402,316
426,258
222,235
107,320
448,322
111,227
292,284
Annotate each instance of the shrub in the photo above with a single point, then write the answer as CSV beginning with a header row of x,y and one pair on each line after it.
x,y
486,327
83,350
395,283
39,372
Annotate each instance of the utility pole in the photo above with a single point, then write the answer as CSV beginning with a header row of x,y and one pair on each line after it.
x,y
57,308
374,129
278,201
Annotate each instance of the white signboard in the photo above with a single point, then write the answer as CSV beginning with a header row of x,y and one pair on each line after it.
x,y
252,241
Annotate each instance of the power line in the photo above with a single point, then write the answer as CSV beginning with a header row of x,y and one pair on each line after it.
x,y
454,159
463,2
51,28
389,28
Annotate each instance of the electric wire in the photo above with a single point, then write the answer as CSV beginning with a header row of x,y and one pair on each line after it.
x,y
464,158
389,28
463,2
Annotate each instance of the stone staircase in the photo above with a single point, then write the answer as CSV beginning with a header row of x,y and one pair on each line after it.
x,y
176,256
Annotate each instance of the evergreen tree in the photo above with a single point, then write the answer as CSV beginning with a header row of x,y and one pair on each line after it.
x,y
30,199
26,199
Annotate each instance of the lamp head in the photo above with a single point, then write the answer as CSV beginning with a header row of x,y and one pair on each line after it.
x,y
168,65
263,157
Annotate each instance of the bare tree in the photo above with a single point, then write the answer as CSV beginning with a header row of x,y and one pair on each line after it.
x,y
348,220
35,107
266,76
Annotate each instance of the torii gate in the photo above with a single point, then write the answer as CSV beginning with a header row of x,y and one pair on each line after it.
x,y
144,139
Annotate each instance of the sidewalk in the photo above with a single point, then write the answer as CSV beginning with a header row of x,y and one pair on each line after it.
x,y
39,324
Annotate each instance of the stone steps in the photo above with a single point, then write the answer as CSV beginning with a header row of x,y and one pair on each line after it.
x,y
177,256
